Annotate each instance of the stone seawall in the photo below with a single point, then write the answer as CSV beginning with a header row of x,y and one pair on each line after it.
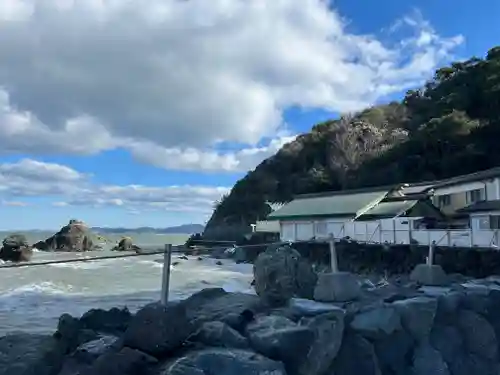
x,y
402,259
389,330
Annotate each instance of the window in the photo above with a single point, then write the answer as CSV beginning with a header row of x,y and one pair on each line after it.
x,y
473,196
483,222
320,228
495,222
444,200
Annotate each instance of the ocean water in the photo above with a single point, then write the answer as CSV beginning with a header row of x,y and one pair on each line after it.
x,y
33,298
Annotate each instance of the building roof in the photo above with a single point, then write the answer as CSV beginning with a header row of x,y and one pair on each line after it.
x,y
387,210
482,206
339,204
466,178
409,189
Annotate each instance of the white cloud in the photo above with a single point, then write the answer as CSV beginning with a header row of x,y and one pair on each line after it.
x,y
68,187
178,77
14,203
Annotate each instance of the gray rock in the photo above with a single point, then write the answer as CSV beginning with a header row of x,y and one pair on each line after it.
x,y
114,321
428,361
75,236
337,287
479,336
158,329
280,339
377,323
26,354
219,334
16,249
125,362
224,362
417,315
215,304
281,273
393,352
91,350
448,305
429,275
448,341
356,356
328,329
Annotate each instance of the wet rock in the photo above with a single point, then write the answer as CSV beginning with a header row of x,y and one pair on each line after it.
x,y
417,315
75,237
158,329
219,334
281,273
15,248
280,339
337,287
219,263
427,360
328,331
125,362
113,321
126,244
356,356
224,362
184,257
377,322
479,336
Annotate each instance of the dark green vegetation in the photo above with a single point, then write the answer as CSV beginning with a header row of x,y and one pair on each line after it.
x,y
449,127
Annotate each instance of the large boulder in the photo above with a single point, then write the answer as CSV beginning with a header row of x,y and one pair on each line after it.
x,y
356,356
224,362
74,237
158,330
126,244
337,287
281,273
280,339
16,249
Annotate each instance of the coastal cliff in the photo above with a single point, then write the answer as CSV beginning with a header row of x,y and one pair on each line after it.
x,y
448,127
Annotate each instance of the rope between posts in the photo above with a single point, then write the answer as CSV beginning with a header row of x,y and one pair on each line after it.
x,y
117,256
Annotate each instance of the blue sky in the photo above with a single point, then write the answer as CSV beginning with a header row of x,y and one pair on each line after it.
x,y
145,113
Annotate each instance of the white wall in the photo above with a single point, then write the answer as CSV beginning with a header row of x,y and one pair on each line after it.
x,y
492,188
398,230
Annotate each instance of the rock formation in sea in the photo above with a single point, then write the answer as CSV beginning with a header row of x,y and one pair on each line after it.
x,y
15,248
75,237
126,244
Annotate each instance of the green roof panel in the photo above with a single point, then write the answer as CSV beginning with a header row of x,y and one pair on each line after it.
x,y
388,209
333,205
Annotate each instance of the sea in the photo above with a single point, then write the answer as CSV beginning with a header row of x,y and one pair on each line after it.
x,y
33,298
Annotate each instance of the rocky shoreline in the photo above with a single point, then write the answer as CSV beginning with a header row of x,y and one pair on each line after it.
x,y
392,327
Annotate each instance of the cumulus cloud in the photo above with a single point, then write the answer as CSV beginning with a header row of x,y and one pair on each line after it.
x,y
68,187
179,77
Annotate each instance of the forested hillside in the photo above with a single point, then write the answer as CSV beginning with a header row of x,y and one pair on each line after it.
x,y
450,126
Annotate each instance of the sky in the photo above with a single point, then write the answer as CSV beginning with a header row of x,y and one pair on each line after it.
x,y
145,112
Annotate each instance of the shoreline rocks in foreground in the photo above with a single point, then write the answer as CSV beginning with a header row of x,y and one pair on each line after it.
x,y
391,328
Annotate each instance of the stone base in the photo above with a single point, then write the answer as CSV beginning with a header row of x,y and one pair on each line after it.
x,y
431,275
337,287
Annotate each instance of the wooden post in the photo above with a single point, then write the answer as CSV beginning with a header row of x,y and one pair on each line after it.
x,y
165,285
333,255
430,257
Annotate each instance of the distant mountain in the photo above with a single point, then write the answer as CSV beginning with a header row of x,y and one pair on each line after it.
x,y
181,229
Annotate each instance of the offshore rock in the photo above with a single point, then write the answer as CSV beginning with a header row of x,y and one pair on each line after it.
x,y
73,237
16,249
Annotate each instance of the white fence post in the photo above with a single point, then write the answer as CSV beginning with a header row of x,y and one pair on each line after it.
x,y
167,260
333,255
430,257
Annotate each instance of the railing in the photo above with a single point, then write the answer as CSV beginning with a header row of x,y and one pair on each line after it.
x,y
394,233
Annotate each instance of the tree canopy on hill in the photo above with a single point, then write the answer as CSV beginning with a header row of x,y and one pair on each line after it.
x,y
450,126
